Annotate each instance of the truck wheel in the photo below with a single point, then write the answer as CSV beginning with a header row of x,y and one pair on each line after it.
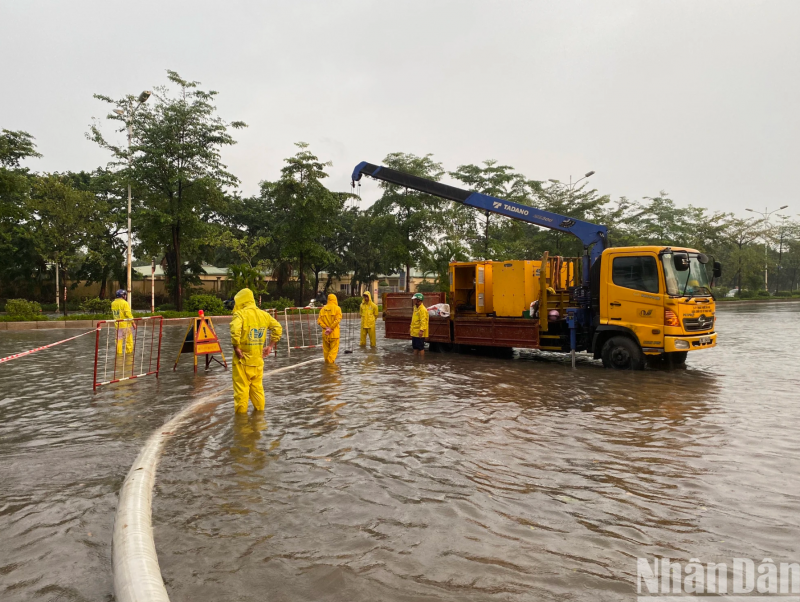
x,y
676,359
621,353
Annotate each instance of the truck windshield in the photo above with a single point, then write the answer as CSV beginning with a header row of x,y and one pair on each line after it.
x,y
692,282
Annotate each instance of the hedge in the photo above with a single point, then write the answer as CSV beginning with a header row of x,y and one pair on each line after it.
x,y
208,303
24,310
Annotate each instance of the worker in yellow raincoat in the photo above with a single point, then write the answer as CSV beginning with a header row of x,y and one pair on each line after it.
x,y
122,311
329,317
419,324
250,333
369,313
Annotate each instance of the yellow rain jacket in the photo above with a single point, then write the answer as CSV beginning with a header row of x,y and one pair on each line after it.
x,y
122,311
419,321
249,328
369,312
330,316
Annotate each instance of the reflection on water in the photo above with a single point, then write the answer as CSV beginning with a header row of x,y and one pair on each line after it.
x,y
385,478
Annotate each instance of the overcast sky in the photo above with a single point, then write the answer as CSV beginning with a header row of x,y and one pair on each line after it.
x,y
697,98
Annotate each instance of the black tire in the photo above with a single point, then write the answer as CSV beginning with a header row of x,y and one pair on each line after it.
x,y
621,353
676,359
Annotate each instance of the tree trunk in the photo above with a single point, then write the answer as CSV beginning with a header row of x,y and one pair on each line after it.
x,y
176,245
316,281
176,242
408,278
280,276
302,282
739,273
103,287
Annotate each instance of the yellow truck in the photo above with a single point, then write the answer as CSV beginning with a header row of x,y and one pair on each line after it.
x,y
628,306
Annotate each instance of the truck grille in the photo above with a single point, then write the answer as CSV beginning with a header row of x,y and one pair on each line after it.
x,y
702,322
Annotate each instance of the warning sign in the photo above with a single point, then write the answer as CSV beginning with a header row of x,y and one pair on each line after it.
x,y
201,339
205,332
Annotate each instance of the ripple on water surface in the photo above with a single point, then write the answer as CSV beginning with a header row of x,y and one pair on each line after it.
x,y
455,478
470,478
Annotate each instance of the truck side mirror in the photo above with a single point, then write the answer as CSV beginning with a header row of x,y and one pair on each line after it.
x,y
681,261
717,269
702,258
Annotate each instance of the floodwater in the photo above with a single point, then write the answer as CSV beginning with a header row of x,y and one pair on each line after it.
x,y
454,478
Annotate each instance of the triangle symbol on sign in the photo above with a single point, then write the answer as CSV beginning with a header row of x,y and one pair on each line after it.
x,y
205,332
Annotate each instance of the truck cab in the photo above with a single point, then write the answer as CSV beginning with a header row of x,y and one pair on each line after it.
x,y
651,302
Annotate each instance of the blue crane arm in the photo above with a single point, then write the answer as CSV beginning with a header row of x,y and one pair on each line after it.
x,y
591,235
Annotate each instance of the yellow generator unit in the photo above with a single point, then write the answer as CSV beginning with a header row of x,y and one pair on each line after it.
x,y
516,286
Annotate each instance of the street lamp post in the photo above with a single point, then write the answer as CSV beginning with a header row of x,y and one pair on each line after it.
x,y
572,184
766,214
129,123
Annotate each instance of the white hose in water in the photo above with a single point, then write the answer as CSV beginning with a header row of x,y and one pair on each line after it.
x,y
137,576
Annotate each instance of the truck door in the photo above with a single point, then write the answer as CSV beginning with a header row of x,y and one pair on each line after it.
x,y
634,297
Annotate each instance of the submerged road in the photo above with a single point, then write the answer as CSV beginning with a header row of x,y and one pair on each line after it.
x,y
455,478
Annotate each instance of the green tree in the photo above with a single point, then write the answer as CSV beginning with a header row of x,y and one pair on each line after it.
x,y
106,249
251,222
790,263
336,240
367,243
16,146
176,167
438,259
661,222
576,202
22,264
247,272
740,234
415,216
339,239
62,222
303,214
244,247
495,180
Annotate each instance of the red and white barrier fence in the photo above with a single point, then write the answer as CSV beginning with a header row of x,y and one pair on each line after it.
x,y
29,351
129,342
302,328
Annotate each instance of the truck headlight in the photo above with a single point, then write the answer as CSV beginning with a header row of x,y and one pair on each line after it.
x,y
681,344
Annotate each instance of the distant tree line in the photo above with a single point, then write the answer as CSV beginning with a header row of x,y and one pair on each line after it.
x,y
186,211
